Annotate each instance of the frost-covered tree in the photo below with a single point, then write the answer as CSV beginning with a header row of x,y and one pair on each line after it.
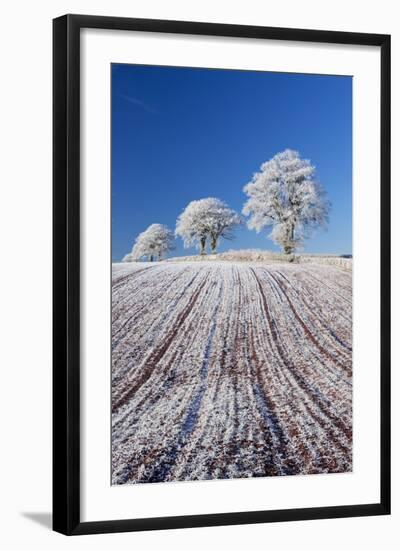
x,y
285,195
141,249
223,222
153,243
206,219
128,258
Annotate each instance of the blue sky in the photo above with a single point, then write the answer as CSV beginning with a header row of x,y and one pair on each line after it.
x,y
180,134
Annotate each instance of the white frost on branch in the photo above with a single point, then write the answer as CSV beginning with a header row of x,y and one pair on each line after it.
x,y
154,243
204,219
285,195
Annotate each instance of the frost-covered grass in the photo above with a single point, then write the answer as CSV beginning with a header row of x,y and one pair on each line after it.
x,y
230,369
338,261
235,256
268,257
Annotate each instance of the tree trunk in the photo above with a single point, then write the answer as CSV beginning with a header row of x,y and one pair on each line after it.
x,y
151,257
289,244
202,246
214,243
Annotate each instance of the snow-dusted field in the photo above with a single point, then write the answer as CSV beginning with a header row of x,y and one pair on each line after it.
x,y
225,370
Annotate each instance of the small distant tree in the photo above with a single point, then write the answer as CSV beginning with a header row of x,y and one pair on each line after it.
x,y
206,219
223,221
153,243
161,240
128,258
285,195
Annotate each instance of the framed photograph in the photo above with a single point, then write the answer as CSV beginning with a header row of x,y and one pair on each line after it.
x,y
221,274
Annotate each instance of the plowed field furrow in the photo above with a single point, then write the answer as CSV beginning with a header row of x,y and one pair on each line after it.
x,y
228,370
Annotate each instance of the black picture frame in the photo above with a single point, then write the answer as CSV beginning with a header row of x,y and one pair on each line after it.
x,y
66,273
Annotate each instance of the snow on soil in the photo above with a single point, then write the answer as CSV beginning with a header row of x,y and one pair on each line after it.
x,y
229,370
